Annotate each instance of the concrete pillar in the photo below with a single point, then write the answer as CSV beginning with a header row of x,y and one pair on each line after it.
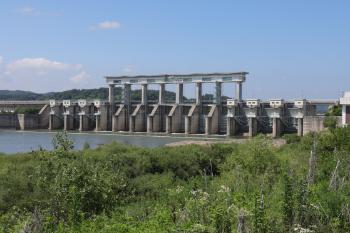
x,y
168,124
81,122
98,123
253,126
115,123
102,118
51,119
111,94
208,125
66,125
239,90
127,100
111,100
187,125
231,126
149,124
142,119
161,98
179,93
198,93
276,127
343,120
218,93
300,127
127,94
132,124
144,94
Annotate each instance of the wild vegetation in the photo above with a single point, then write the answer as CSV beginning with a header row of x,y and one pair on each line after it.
x,y
303,186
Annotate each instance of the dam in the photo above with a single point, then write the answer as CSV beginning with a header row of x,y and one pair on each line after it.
x,y
218,116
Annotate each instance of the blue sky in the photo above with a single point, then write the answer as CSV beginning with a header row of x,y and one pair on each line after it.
x,y
291,49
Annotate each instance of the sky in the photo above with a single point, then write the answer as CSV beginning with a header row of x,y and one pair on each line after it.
x,y
291,48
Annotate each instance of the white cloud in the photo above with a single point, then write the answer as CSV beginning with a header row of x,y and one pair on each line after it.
x,y
1,60
129,69
27,10
40,65
80,77
30,11
106,25
42,75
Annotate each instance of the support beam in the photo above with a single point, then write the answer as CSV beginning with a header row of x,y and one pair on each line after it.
x,y
198,93
218,93
111,100
168,124
187,124
127,94
161,98
111,94
66,122
81,123
276,127
127,100
239,91
208,125
231,126
253,126
144,94
98,123
149,124
132,124
179,93
51,121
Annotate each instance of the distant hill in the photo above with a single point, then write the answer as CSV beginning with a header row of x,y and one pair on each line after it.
x,y
18,95
97,93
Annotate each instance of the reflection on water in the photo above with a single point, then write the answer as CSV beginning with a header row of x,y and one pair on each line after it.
x,y
21,141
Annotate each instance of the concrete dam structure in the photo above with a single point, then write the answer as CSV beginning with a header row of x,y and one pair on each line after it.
x,y
231,117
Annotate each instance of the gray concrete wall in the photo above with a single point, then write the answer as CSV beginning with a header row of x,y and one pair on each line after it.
x,y
20,121
138,119
121,119
315,123
55,122
44,117
8,121
212,121
154,120
192,120
28,121
174,119
102,121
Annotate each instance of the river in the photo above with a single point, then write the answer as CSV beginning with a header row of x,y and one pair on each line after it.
x,y
12,141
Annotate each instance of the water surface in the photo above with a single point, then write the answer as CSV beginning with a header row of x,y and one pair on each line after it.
x,y
25,141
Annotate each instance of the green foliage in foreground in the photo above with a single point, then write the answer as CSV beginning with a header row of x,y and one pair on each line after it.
x,y
252,187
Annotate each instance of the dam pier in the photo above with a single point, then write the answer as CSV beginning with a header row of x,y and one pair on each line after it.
x,y
218,116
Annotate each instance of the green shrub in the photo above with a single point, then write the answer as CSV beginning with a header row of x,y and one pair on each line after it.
x,y
119,188
291,138
330,122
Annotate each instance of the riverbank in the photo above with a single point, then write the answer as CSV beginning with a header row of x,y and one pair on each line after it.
x,y
275,142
